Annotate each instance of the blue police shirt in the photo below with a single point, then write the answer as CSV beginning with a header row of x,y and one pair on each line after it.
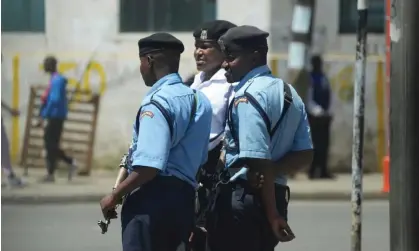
x,y
254,141
180,155
56,103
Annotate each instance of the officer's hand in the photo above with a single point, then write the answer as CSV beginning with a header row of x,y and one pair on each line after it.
x,y
255,179
281,229
108,204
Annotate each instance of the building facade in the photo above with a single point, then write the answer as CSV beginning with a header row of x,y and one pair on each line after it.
x,y
106,32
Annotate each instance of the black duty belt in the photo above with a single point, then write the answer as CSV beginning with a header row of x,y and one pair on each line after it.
x,y
212,182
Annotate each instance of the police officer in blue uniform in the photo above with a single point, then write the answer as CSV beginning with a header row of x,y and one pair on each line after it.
x,y
267,132
170,143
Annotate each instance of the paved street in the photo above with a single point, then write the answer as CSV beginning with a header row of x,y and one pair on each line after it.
x,y
318,226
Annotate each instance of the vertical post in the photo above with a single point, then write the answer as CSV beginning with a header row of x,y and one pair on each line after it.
x,y
387,80
358,126
404,122
15,105
301,28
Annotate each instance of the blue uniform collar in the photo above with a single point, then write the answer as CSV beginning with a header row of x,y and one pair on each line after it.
x,y
258,71
169,79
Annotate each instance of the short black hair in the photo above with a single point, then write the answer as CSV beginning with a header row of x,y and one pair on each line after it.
x,y
166,58
50,60
315,59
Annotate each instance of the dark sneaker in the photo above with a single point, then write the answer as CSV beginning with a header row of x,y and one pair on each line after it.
x,y
15,182
48,179
72,169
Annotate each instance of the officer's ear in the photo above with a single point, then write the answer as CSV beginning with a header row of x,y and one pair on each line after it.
x,y
150,61
255,56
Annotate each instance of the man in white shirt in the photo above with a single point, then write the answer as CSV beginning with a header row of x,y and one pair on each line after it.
x,y
211,79
212,82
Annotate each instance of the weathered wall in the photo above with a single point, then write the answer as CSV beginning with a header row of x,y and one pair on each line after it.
x,y
76,35
122,90
340,71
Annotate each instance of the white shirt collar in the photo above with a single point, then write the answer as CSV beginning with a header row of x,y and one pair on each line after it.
x,y
217,77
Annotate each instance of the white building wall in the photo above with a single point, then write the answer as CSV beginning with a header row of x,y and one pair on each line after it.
x,y
80,30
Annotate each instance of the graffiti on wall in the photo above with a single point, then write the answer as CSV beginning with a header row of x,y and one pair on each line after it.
x,y
343,84
94,78
94,74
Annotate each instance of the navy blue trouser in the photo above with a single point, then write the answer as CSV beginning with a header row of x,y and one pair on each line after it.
x,y
237,220
159,216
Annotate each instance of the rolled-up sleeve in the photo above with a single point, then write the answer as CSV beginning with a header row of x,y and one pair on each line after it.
x,y
254,138
154,140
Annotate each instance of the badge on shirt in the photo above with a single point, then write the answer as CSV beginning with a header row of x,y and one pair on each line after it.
x,y
240,100
204,35
147,113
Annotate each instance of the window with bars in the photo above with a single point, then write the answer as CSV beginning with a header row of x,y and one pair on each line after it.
x,y
348,16
23,15
164,15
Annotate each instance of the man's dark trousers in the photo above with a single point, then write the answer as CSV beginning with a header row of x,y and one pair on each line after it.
x,y
320,133
52,136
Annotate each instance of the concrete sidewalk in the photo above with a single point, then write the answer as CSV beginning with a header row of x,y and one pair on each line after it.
x,y
93,188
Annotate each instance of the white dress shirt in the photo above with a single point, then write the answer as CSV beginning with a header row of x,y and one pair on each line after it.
x,y
219,92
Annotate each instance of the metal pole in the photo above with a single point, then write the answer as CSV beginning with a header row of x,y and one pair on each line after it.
x,y
387,81
404,126
358,126
302,29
